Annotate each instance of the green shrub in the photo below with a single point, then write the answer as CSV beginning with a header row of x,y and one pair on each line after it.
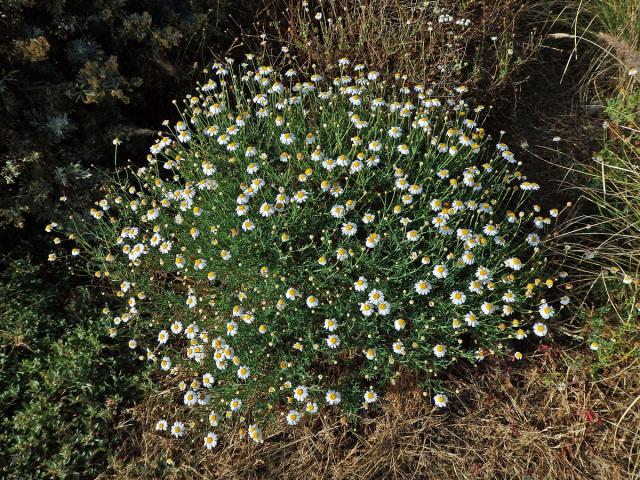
x,y
63,384
296,242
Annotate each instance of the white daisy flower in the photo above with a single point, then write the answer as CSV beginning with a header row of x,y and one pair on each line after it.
x,y
483,274
293,417
333,341
395,132
546,311
370,353
300,393
457,297
399,324
540,329
508,297
311,408
207,380
533,239
488,308
413,236
349,229
402,183
367,309
210,440
513,263
376,296
372,240
165,363
312,301
439,350
330,324
191,331
178,429
440,271
266,210
370,396
361,284
422,287
243,372
384,308
490,230
398,348
471,319
368,218
468,258
300,196
235,404
248,226
375,146
475,286
440,400
163,337
287,138
232,328
338,211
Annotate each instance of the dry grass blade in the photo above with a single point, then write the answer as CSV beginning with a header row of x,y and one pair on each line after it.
x,y
513,423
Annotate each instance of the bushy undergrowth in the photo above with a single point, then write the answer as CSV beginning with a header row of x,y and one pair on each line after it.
x,y
72,80
62,383
73,75
76,74
298,240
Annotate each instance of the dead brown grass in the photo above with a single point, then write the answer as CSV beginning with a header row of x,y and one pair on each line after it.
x,y
548,420
405,36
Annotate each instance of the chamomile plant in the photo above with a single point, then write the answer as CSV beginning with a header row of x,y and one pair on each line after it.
x,y
296,240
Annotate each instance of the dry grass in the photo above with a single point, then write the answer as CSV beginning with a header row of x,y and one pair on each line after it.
x,y
405,36
548,420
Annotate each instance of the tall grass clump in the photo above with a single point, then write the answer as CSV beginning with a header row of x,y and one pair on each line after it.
x,y
608,32
604,241
617,23
298,240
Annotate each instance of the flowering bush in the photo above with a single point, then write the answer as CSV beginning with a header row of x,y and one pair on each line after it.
x,y
293,245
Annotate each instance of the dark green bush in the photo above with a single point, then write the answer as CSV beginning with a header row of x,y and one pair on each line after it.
x,y
63,384
76,74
